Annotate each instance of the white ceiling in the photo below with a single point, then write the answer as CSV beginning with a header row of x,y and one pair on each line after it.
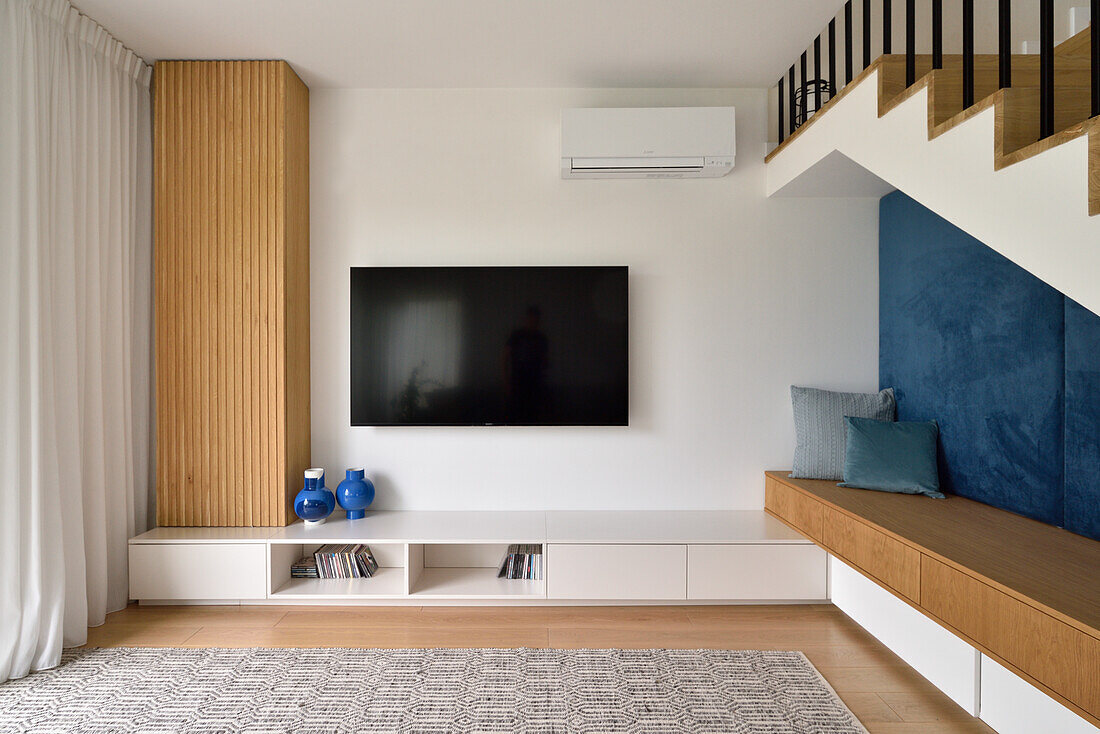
x,y
482,43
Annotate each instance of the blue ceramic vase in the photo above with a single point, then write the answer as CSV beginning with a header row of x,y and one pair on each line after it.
x,y
355,494
314,503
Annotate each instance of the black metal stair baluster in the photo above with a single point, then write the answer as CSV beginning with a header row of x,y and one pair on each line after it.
x,y
937,34
866,33
1095,58
910,42
802,116
1046,68
887,27
792,120
832,57
848,42
1004,42
780,113
817,73
968,54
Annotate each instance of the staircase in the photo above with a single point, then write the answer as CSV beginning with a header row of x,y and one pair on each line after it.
x,y
984,168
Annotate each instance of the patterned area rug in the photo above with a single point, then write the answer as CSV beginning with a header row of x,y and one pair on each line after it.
x,y
441,690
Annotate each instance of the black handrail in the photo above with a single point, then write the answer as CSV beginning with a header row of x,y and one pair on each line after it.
x,y
910,42
968,54
848,41
937,34
887,28
1004,42
1046,68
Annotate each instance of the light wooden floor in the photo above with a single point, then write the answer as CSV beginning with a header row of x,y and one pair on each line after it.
x,y
888,696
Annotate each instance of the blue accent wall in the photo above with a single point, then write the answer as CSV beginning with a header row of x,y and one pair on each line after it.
x,y
1082,434
1008,366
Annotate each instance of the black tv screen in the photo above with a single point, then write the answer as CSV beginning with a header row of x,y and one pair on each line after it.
x,y
489,346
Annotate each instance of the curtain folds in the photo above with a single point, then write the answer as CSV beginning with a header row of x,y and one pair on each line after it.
x,y
75,324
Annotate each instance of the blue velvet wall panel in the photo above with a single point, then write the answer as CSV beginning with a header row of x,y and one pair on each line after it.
x,y
1082,420
975,342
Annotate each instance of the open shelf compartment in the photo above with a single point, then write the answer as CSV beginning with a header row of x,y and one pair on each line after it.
x,y
465,571
387,583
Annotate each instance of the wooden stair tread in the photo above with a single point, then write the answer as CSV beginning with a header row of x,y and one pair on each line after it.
x,y
1017,121
1079,45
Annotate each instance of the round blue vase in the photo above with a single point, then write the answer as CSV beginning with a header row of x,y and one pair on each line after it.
x,y
314,503
355,494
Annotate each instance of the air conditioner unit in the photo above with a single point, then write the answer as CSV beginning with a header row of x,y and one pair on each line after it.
x,y
647,142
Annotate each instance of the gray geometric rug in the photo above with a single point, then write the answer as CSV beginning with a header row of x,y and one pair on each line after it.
x,y
442,690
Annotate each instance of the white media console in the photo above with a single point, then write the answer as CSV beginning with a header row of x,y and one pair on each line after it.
x,y
453,557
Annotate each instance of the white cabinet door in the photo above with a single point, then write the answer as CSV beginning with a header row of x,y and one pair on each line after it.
x,y
776,572
198,571
1011,705
616,571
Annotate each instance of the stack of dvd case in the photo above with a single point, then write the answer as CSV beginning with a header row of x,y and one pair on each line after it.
x,y
349,561
522,561
304,568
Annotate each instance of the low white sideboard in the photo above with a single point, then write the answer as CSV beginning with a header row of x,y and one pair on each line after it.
x,y
632,557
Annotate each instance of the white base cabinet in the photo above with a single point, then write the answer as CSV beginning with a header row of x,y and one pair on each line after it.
x,y
946,661
776,573
198,571
657,572
1011,705
453,557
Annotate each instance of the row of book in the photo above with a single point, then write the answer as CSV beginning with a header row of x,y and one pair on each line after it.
x,y
522,561
350,561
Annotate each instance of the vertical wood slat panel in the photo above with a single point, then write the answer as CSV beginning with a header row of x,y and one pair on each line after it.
x,y
242,231
188,275
232,291
201,199
296,284
277,335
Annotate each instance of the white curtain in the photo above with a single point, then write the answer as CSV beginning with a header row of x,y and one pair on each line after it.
x,y
75,325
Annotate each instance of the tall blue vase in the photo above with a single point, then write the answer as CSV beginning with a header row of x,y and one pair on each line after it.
x,y
314,503
355,493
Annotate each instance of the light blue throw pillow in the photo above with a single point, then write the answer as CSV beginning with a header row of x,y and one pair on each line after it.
x,y
892,456
819,427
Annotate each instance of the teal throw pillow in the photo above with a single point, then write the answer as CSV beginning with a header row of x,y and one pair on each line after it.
x,y
892,456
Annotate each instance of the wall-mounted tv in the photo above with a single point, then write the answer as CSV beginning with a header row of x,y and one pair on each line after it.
x,y
459,346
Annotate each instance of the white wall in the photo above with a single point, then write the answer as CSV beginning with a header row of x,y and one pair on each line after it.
x,y
733,296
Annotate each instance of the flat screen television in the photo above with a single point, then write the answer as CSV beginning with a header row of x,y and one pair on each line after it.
x,y
459,346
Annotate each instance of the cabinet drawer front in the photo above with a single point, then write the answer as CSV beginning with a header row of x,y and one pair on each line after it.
x,y
616,571
795,508
1060,657
756,572
198,571
890,561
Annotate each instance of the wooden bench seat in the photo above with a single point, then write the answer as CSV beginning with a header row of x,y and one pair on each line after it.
x,y
1025,593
